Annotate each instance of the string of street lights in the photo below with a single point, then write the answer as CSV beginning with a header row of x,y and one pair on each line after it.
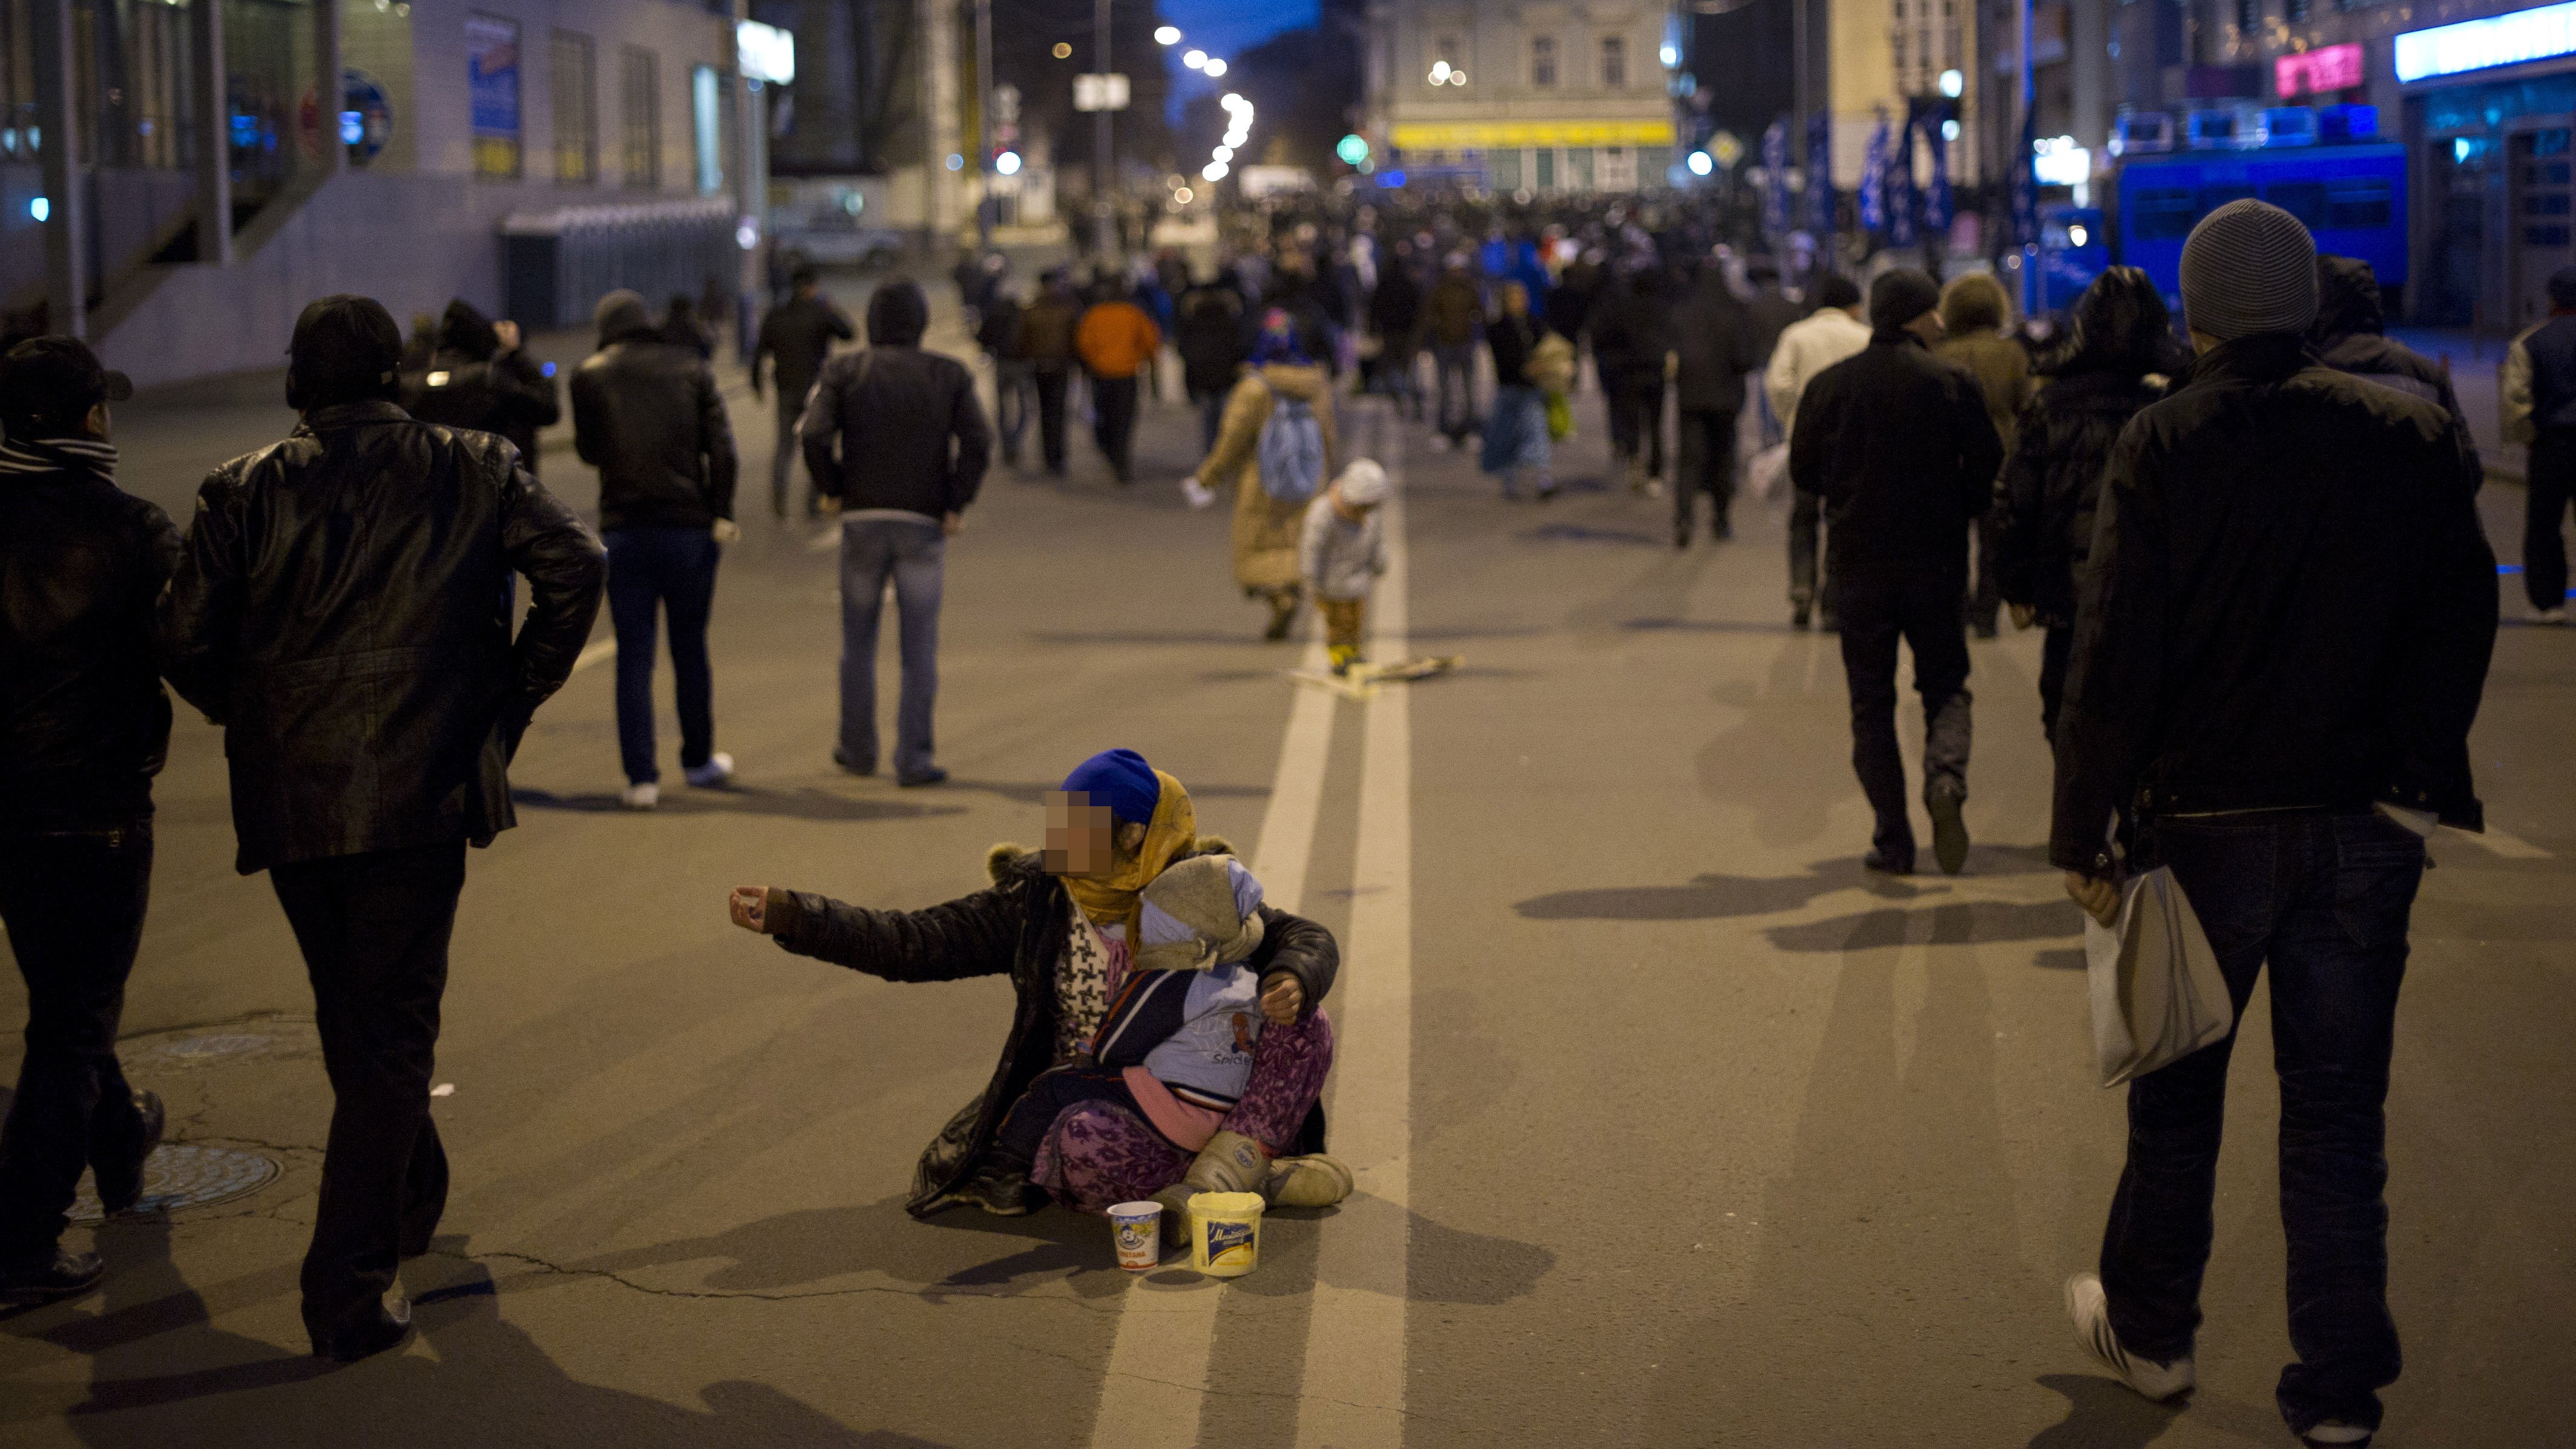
x,y
1238,111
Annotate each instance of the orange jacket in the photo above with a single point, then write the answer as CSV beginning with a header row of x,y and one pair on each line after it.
x,y
1116,339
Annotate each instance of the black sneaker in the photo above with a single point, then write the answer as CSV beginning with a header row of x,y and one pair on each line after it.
x,y
1949,828
1798,617
1885,864
932,776
65,1274
118,1156
390,1329
841,757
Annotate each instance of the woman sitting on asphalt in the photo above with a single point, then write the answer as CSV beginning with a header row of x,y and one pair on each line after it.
x,y
1059,923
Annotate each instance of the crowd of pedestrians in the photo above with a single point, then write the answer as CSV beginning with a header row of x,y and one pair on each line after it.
x,y
2251,542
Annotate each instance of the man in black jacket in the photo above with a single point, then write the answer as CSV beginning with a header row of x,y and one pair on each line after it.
x,y
340,611
1715,342
2280,640
646,414
83,724
2351,335
795,338
1898,445
912,447
480,378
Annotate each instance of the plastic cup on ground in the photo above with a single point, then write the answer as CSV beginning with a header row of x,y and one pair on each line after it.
x,y
1138,1229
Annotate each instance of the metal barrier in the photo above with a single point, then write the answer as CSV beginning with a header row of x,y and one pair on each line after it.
x,y
556,265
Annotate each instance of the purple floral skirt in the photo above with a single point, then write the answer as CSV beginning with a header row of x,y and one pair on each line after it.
x,y
1097,1154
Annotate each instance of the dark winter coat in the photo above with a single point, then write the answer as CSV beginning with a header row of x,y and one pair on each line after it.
x,y
343,610
2052,480
1453,312
796,337
1772,312
1211,339
83,722
1632,329
1395,308
1898,444
648,416
1015,928
2349,336
2288,605
909,432
1047,328
1718,343
1512,340
469,382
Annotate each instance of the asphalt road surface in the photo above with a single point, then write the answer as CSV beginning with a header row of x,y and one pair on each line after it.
x,y
1672,1127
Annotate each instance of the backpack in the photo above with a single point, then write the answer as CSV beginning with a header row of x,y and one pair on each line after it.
x,y
1291,449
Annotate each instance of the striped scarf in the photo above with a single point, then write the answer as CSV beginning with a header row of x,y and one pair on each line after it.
x,y
23,456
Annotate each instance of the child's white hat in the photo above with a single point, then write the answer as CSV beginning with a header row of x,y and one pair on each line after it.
x,y
1363,483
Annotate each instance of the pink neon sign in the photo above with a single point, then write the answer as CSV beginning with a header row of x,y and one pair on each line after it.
x,y
2328,68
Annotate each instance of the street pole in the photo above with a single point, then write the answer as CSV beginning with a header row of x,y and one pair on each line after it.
x,y
984,201
1103,169
751,193
2029,102
66,217
214,138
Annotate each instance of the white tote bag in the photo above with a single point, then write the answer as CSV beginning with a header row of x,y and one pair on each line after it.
x,y
2157,992
1768,473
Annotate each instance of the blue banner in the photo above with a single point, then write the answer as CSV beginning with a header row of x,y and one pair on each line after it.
x,y
1902,211
1936,202
2025,183
1873,180
1775,178
1820,174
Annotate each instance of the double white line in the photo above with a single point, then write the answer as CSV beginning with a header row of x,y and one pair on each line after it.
x,y
1353,1392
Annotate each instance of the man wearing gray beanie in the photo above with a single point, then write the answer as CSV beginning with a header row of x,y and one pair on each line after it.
x,y
1898,444
2280,640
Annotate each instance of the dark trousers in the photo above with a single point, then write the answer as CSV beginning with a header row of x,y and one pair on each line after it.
x,y
1705,443
2324,898
782,463
1455,365
1113,420
2053,654
73,902
913,557
2552,475
374,929
1986,597
1211,408
1637,423
1014,391
1024,1127
1052,383
1880,605
672,571
1806,527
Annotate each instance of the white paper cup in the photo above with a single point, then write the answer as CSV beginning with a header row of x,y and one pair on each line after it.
x,y
1137,1227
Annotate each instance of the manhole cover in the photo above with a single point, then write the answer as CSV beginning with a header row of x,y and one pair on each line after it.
x,y
277,1039
205,1048
178,1176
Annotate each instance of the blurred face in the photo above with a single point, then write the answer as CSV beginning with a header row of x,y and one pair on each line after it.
x,y
1516,300
1082,839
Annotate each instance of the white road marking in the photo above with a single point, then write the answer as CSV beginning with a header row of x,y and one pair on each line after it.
x,y
1353,1393
1158,1364
593,652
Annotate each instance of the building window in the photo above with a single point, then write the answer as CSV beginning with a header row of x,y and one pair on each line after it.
x,y
1544,175
1896,52
1504,167
1542,60
2294,11
1578,168
640,107
573,76
492,92
1614,61
706,128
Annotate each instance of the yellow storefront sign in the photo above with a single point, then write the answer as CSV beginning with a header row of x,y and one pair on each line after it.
x,y
1507,135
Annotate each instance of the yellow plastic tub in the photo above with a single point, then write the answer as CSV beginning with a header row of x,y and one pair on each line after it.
x,y
1225,1233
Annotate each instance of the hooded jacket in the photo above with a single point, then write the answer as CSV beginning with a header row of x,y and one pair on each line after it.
x,y
1015,928
648,416
342,609
2286,607
2349,335
2052,482
469,382
894,428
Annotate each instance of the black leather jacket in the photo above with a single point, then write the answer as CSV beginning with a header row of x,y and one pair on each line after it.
x,y
342,609
83,721
2290,604
647,415
2053,480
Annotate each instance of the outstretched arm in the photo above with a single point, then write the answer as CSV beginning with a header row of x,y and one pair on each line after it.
x,y
973,935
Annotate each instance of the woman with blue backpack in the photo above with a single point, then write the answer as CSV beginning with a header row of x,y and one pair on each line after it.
x,y
1276,448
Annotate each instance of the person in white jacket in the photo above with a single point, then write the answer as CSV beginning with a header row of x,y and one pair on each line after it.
x,y
1808,346
1341,552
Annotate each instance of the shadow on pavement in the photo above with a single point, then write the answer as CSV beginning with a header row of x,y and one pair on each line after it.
x,y
484,1379
1712,896
951,1253
805,803
1953,923
2102,1414
1586,533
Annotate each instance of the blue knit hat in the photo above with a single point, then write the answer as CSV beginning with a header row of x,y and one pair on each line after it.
x,y
1121,780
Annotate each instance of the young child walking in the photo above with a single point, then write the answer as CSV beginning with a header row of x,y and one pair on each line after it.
x,y
1341,553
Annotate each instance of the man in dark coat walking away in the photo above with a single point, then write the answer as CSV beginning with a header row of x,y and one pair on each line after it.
x,y
2351,335
2539,406
1214,345
2280,641
912,448
646,414
1898,444
479,377
1715,343
1631,331
83,727
1046,338
340,612
794,339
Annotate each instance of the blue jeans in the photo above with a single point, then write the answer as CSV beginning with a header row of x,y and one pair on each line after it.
x,y
1456,364
2324,899
674,568
874,550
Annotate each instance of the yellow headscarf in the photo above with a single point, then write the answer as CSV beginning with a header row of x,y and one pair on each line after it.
x,y
1114,899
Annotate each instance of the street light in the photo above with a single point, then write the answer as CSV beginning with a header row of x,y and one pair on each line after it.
x,y
1224,153
1008,163
1953,83
1215,68
1195,59
1167,35
1214,171
1700,164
